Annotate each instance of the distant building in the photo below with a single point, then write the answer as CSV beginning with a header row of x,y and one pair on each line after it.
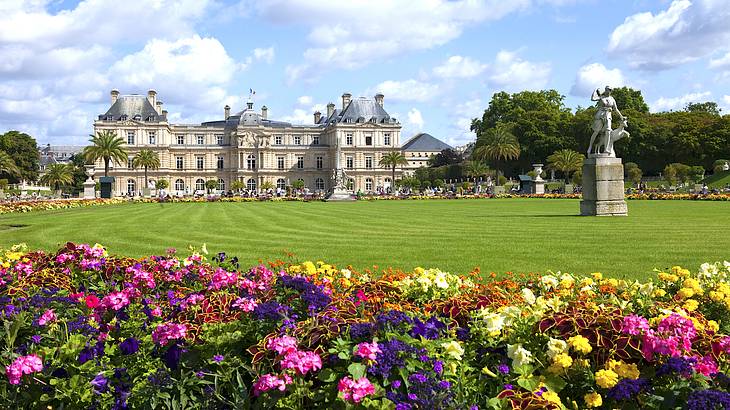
x,y
419,149
57,154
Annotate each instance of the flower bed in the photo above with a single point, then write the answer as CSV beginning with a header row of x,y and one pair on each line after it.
x,y
45,205
85,329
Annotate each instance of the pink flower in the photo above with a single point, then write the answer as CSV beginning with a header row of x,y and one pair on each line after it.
x,y
282,345
23,365
115,300
92,301
706,365
245,304
367,350
355,390
222,278
141,277
156,312
269,382
673,337
634,325
166,332
47,317
301,362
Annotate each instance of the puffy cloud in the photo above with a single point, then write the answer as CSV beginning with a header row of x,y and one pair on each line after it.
x,y
677,103
509,72
264,54
303,116
415,119
304,100
464,113
596,75
408,90
459,67
684,32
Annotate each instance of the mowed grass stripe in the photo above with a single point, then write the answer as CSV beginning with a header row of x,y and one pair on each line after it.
x,y
520,235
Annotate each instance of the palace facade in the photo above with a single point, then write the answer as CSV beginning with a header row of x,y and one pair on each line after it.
x,y
249,147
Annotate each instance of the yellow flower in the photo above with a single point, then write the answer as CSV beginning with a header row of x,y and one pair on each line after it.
x,y
556,347
667,277
716,296
552,397
691,305
586,282
712,325
658,293
686,293
606,378
453,349
593,399
627,370
563,360
580,344
597,275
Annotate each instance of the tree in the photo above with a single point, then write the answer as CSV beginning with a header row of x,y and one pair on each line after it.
x,y
438,183
497,144
392,160
670,174
629,99
211,184
566,161
446,157
474,169
635,175
266,185
146,158
577,177
58,176
708,107
719,165
696,173
108,146
237,185
23,150
7,165
161,184
298,184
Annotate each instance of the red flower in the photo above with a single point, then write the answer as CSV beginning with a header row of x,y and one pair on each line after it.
x,y
92,301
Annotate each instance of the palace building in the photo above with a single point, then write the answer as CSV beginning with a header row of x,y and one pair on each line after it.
x,y
250,147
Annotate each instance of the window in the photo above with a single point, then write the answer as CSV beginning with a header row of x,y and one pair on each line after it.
x,y
180,139
319,162
179,162
386,138
131,187
368,162
277,139
315,140
368,140
280,162
219,162
280,183
251,184
368,184
319,183
297,140
179,185
130,163
219,139
199,184
300,161
199,139
221,184
153,138
130,137
251,162
348,138
349,162
199,162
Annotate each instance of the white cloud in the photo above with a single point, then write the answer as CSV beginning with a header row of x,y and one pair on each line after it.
x,y
304,100
726,103
684,32
678,103
303,116
596,75
509,72
459,67
464,113
264,54
415,119
408,90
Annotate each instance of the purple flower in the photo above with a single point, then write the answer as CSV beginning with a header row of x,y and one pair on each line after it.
x,y
412,396
218,358
129,346
428,329
708,399
438,366
443,384
680,365
417,377
99,384
361,331
627,389
508,386
36,339
396,384
503,368
200,374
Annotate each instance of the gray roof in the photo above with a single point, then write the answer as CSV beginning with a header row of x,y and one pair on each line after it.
x,y
129,106
425,142
362,110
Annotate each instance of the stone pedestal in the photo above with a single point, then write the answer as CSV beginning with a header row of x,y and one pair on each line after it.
x,y
538,187
89,189
340,194
603,187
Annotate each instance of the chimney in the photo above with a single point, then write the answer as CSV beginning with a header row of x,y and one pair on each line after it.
x,y
317,117
152,97
115,95
264,113
330,109
227,111
345,100
379,99
158,107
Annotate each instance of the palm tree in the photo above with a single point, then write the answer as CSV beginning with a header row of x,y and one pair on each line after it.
x,y
565,161
237,185
107,146
148,159
266,185
497,144
392,160
57,176
475,169
7,165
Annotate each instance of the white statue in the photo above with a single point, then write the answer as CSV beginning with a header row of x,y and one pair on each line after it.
x,y
602,123
616,135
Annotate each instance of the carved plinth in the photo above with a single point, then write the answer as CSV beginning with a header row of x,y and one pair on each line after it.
x,y
603,187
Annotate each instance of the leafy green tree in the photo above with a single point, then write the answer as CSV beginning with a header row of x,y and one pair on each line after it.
x,y
392,160
635,175
629,99
577,178
79,172
58,176
266,185
23,150
108,146
475,169
445,157
161,184
146,158
438,183
497,144
708,107
670,174
298,184
566,161
696,173
719,165
7,165
211,184
237,185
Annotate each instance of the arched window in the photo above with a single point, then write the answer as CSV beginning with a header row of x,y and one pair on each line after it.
x,y
280,183
221,184
131,187
319,183
251,184
251,162
368,184
199,184
179,185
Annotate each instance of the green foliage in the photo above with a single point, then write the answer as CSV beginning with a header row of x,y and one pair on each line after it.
x,y
147,159
577,178
266,185
392,160
629,99
106,145
237,185
58,176
298,184
497,144
3,183
566,161
445,158
708,107
719,165
438,183
211,184
23,151
7,165
475,169
162,184
635,175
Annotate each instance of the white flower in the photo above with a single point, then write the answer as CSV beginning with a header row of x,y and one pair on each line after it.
x,y
528,296
440,280
556,347
549,282
493,322
519,355
346,273
707,270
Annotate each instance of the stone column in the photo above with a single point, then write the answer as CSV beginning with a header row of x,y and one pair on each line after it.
x,y
538,186
603,187
90,184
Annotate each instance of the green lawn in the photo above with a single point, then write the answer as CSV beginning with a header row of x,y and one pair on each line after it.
x,y
520,235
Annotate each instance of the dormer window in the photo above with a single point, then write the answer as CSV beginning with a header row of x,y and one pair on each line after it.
x,y
137,117
123,117
110,118
151,118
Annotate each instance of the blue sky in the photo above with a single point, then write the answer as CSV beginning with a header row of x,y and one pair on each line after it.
x,y
438,62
